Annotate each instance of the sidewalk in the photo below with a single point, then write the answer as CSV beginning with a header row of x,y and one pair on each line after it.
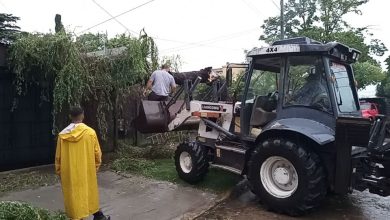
x,y
132,198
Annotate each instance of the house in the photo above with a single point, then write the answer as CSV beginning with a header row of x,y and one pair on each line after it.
x,y
236,68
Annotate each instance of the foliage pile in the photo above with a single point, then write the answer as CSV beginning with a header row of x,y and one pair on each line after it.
x,y
24,211
156,151
157,162
324,20
19,181
69,75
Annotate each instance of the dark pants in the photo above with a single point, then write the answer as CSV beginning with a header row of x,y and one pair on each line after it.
x,y
99,215
154,97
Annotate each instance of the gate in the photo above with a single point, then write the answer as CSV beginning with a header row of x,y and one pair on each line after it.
x,y
26,133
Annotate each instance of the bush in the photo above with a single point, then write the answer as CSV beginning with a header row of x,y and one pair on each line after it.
x,y
24,211
136,165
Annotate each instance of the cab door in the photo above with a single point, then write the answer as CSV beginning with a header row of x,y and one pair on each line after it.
x,y
261,95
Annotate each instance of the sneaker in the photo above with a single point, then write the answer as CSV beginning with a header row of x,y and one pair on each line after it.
x,y
102,217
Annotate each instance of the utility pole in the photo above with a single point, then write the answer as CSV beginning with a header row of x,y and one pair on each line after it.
x,y
281,19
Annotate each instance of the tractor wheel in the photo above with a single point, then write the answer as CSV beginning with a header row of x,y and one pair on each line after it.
x,y
288,178
191,162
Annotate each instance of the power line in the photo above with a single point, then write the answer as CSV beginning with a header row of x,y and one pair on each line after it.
x,y
252,7
187,45
205,43
124,26
158,38
114,17
5,7
276,5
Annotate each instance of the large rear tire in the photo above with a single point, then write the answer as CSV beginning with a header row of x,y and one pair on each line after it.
x,y
288,178
191,162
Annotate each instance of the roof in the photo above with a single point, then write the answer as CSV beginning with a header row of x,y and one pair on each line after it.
x,y
307,46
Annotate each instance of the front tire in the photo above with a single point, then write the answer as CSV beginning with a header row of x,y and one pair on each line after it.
x,y
191,162
287,178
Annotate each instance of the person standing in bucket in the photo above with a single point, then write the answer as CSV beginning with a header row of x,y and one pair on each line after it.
x,y
161,83
77,160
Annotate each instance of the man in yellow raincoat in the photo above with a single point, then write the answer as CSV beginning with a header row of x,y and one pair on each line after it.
x,y
78,157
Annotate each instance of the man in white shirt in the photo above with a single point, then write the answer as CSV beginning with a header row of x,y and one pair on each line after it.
x,y
161,83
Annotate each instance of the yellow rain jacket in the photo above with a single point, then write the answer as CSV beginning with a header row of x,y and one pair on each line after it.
x,y
78,157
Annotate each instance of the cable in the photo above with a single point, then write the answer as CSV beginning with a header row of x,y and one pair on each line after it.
x,y
113,17
125,12
276,5
125,27
252,7
158,38
5,7
205,42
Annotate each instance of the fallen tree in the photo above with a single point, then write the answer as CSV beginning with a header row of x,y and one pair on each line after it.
x,y
206,74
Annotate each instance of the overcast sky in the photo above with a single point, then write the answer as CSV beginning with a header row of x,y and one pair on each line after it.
x,y
203,32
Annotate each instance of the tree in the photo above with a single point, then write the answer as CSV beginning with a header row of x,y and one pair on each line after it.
x,y
323,20
174,61
319,19
59,26
91,42
383,88
68,76
8,28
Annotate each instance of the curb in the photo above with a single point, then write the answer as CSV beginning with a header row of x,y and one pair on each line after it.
x,y
194,215
232,193
28,169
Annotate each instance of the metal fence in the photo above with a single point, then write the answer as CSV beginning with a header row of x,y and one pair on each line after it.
x,y
26,133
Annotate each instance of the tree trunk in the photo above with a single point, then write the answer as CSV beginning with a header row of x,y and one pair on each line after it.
x,y
192,75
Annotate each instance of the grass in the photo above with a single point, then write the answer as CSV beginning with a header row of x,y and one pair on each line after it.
x,y
157,162
164,169
24,211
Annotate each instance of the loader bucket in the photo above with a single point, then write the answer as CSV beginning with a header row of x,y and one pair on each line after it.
x,y
152,117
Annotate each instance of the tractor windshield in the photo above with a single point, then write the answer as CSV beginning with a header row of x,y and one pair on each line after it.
x,y
306,85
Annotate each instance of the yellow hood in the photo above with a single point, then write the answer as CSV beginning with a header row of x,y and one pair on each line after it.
x,y
75,134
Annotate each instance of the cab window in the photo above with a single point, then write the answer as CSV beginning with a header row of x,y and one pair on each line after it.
x,y
306,83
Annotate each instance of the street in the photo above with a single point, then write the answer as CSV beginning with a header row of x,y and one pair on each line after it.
x,y
359,205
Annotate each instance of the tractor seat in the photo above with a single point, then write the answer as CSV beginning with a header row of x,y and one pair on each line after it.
x,y
261,117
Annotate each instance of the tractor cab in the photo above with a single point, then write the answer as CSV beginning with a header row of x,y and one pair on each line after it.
x,y
298,78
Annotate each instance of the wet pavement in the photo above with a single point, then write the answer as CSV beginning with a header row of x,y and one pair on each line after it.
x,y
131,197
243,205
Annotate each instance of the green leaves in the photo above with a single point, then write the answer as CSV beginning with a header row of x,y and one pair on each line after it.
x,y
367,73
68,75
383,88
24,211
8,28
323,20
